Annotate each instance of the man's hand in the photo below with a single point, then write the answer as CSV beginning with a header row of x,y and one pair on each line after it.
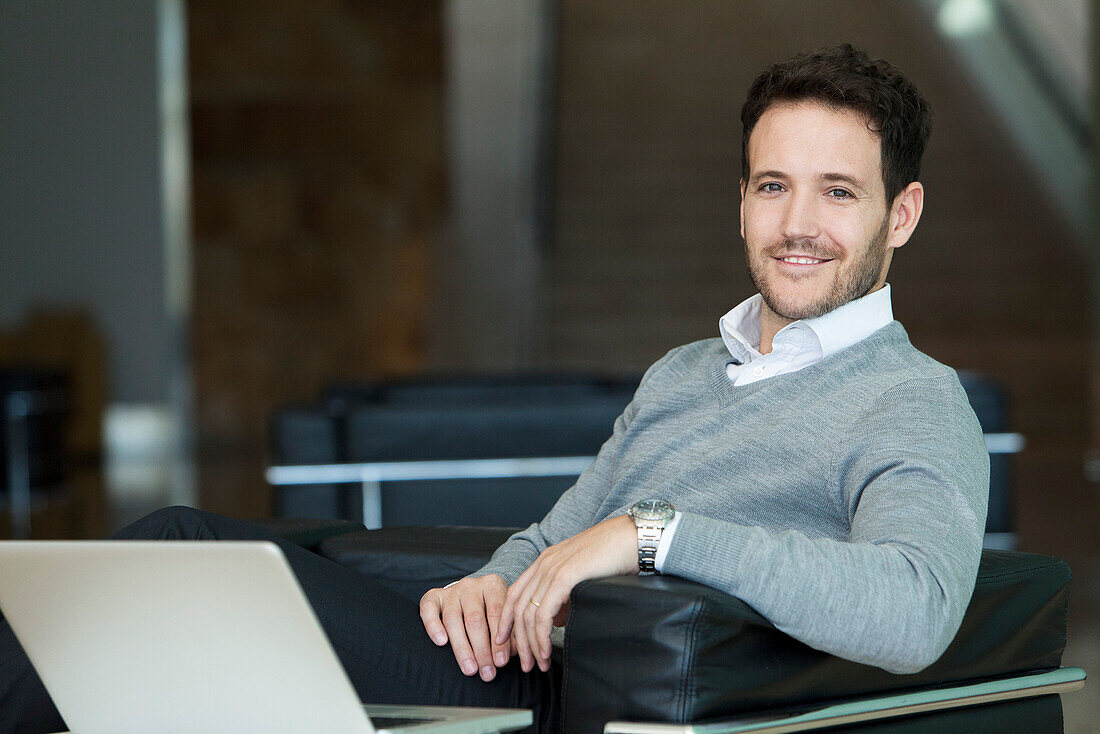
x,y
467,615
540,596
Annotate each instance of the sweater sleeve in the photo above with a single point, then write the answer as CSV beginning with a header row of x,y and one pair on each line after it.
x,y
575,511
892,594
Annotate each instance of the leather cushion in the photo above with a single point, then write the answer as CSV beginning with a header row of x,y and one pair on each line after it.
x,y
308,533
411,560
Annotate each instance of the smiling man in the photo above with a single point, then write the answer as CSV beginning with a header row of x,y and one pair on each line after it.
x,y
818,221
817,228
810,461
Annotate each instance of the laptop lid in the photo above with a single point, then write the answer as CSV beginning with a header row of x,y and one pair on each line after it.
x,y
139,637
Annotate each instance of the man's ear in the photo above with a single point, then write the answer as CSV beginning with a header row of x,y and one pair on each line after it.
x,y
742,208
905,213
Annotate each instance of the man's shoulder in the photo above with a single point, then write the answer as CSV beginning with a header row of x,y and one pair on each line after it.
x,y
887,362
889,354
904,399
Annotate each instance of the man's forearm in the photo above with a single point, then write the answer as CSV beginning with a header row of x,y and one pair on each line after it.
x,y
888,605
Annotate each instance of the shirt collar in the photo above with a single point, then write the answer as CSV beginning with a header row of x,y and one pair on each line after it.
x,y
840,328
740,329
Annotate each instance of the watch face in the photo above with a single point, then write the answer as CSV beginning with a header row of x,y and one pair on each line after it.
x,y
652,510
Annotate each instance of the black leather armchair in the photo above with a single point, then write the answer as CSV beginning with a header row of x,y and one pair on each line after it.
x,y
669,651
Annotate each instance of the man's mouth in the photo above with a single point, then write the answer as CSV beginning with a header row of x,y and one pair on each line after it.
x,y
802,260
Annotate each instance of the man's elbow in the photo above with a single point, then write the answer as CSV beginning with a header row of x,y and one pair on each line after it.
x,y
911,665
934,617
923,652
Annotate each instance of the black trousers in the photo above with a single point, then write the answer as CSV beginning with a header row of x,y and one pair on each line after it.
x,y
376,632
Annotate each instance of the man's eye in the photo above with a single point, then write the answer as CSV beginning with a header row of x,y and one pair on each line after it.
x,y
771,187
840,194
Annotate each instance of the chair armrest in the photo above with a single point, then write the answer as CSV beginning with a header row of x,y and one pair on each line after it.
x,y
664,649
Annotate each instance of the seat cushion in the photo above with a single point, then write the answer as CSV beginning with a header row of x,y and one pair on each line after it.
x,y
308,533
411,560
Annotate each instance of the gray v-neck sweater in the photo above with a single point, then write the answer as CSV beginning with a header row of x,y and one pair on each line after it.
x,y
845,502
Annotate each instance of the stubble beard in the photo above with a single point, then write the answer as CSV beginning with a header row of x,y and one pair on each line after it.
x,y
848,285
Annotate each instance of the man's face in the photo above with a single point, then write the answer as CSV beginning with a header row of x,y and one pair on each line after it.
x,y
817,229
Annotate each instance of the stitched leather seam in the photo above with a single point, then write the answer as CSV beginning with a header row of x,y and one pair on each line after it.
x,y
1029,569
1020,573
1063,620
687,673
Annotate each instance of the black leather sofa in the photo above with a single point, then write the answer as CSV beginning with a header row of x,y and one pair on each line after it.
x,y
667,650
453,417
499,416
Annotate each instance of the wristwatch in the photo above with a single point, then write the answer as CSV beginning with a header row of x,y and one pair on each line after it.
x,y
651,517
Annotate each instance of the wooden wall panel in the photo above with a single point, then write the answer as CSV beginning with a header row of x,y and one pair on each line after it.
x,y
317,135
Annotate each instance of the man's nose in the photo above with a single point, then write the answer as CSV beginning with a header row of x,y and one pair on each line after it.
x,y
800,220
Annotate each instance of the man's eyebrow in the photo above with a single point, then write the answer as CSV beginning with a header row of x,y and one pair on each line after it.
x,y
852,181
767,174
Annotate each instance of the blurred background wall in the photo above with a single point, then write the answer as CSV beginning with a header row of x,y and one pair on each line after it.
x,y
390,188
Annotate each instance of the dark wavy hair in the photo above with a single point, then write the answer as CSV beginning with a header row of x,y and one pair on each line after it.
x,y
844,78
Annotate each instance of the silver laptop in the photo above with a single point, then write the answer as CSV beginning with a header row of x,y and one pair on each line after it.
x,y
160,637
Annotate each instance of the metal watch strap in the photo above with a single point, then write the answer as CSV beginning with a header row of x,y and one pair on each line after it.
x,y
651,517
649,537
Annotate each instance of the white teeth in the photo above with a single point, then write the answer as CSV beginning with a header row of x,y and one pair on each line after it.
x,y
802,260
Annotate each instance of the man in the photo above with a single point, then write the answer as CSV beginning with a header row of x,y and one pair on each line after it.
x,y
827,473
821,469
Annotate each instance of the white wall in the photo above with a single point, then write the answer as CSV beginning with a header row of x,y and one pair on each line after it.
x,y
80,177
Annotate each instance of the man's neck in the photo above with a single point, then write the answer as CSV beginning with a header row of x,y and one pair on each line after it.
x,y
770,324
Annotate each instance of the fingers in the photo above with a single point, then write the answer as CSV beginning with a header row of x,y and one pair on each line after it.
x,y
551,598
455,623
530,637
515,605
430,612
494,609
538,607
534,618
458,615
519,635
463,615
508,617
476,622
533,602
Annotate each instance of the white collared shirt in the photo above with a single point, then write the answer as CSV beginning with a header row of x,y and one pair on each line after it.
x,y
794,347
802,343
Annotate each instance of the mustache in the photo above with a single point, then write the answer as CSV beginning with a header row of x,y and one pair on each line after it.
x,y
808,247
